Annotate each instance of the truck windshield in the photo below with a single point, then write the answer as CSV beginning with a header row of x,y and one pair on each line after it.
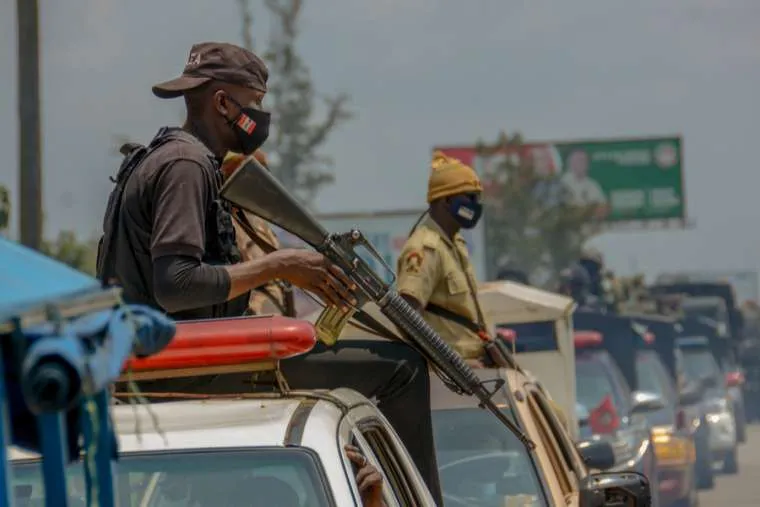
x,y
481,462
704,310
250,478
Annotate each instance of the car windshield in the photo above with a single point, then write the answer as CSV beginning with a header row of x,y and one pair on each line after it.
x,y
481,462
593,382
250,478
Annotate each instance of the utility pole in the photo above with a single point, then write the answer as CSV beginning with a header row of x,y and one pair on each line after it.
x,y
30,158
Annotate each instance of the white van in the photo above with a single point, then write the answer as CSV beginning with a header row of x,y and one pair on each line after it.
x,y
538,326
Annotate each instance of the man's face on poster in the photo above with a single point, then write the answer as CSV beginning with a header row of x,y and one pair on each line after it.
x,y
577,163
542,162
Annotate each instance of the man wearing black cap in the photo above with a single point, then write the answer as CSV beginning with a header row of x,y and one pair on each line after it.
x,y
168,240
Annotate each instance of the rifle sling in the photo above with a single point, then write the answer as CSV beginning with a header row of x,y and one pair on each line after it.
x,y
454,317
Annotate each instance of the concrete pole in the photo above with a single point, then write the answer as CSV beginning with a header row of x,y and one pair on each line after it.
x,y
30,157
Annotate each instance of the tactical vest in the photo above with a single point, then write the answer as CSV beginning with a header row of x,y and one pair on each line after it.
x,y
220,248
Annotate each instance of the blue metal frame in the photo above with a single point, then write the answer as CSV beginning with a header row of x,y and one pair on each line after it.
x,y
61,329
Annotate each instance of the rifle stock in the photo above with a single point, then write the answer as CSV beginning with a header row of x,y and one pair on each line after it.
x,y
255,189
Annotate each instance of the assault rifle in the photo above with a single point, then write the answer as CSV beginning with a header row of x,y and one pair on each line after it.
x,y
253,188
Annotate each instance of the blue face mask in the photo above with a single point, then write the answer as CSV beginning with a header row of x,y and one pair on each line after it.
x,y
466,210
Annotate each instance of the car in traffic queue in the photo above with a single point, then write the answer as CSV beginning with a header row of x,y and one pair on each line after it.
x,y
603,347
673,434
284,448
715,303
663,331
698,365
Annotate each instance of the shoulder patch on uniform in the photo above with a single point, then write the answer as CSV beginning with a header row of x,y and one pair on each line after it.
x,y
413,261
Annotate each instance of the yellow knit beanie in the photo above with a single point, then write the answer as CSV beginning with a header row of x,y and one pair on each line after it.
x,y
449,176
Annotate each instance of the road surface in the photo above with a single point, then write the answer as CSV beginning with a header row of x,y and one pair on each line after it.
x,y
742,489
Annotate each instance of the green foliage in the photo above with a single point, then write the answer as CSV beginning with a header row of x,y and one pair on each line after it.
x,y
296,137
67,248
530,224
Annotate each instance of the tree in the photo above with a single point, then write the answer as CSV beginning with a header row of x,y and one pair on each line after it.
x,y
530,223
295,137
80,255
67,248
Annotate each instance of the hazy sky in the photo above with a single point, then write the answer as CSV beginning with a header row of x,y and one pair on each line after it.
x,y
427,72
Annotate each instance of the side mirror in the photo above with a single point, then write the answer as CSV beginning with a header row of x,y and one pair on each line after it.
x,y
597,454
645,402
615,489
734,379
690,395
582,414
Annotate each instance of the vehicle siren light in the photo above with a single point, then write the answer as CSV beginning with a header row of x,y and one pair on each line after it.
x,y
734,379
508,335
233,342
588,339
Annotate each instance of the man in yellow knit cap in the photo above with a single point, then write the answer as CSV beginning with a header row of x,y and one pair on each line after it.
x,y
434,271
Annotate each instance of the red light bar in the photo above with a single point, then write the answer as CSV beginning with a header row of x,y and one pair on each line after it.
x,y
219,345
588,339
649,337
508,335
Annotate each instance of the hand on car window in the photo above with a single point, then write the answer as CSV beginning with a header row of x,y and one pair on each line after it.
x,y
368,478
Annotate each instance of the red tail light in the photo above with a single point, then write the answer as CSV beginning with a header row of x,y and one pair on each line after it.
x,y
680,420
603,419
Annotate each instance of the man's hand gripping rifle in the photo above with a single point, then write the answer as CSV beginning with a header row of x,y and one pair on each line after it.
x,y
253,188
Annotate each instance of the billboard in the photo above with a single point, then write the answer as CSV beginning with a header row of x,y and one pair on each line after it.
x,y
388,231
636,181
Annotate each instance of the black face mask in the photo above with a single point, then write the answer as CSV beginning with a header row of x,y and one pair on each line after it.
x,y
251,127
466,210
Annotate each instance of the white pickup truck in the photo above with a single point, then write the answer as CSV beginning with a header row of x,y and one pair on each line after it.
x,y
283,449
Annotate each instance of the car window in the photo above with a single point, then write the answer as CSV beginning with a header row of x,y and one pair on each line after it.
x,y
653,377
481,462
594,382
392,463
286,477
699,363
389,495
